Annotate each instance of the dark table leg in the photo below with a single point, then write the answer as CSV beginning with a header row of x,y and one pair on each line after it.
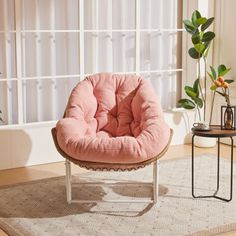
x,y
218,173
193,166
218,166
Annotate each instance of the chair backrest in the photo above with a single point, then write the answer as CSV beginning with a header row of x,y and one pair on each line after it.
x,y
117,104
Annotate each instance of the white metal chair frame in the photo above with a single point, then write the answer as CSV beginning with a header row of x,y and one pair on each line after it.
x,y
109,166
69,186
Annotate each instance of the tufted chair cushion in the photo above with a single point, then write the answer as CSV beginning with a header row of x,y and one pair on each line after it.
x,y
113,119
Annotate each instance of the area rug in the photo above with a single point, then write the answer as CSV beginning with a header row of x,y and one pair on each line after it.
x,y
40,208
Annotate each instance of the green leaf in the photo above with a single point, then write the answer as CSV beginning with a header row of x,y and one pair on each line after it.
x,y
208,36
195,86
196,38
186,103
193,53
207,24
198,101
207,47
207,44
211,76
199,48
213,72
201,35
190,92
213,87
188,25
196,15
229,81
225,71
201,21
189,30
221,69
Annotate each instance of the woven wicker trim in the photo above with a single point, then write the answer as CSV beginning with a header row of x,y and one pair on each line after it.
x,y
100,166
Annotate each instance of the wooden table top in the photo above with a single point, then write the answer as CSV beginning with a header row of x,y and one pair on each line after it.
x,y
214,132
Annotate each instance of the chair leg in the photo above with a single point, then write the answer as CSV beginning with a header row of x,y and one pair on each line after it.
x,y
69,184
155,181
68,181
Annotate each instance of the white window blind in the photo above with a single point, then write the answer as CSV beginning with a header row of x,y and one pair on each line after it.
x,y
47,46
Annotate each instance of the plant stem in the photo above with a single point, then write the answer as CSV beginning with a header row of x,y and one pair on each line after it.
x,y
205,85
227,96
212,105
199,114
200,87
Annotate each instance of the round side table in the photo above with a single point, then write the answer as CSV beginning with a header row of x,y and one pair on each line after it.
x,y
215,132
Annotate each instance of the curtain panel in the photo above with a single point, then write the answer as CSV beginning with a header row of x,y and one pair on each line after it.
x,y
47,46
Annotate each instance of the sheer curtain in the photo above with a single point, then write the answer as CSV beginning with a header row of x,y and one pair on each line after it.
x,y
159,49
51,45
108,48
8,88
51,53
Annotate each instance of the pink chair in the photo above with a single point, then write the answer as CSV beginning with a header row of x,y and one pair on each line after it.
x,y
112,122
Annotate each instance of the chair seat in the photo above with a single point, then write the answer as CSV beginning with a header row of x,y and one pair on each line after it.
x,y
109,166
113,119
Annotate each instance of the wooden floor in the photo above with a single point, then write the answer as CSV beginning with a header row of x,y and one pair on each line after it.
x,y
20,175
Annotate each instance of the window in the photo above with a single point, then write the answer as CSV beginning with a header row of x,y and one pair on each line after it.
x,y
47,46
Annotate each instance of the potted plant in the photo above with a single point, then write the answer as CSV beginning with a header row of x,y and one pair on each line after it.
x,y
221,87
201,38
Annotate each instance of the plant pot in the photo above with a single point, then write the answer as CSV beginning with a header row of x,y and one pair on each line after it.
x,y
204,142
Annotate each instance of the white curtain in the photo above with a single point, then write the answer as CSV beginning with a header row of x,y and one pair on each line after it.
x,y
50,51
159,49
109,51
8,89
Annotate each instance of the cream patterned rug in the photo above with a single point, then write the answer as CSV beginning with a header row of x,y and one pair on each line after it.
x,y
39,208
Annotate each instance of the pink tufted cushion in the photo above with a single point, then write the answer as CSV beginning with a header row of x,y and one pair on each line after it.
x,y
113,119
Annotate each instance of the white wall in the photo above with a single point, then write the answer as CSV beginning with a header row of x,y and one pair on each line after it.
x,y
27,145
181,121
